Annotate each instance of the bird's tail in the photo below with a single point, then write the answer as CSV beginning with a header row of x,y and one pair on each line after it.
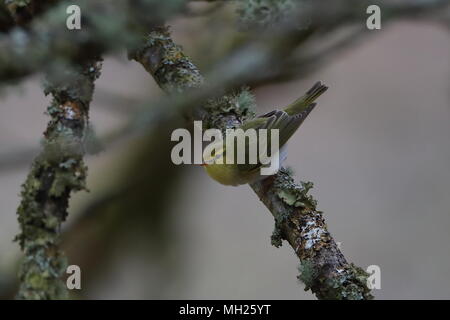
x,y
302,103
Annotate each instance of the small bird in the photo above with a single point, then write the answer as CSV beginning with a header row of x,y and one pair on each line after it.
x,y
286,121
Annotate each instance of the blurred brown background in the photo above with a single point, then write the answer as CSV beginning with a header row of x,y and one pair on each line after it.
x,y
377,149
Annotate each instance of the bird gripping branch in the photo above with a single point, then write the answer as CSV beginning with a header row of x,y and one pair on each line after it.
x,y
287,121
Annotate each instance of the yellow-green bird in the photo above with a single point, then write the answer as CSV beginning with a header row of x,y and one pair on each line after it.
x,y
286,121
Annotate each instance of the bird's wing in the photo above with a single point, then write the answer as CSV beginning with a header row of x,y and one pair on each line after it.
x,y
277,119
285,123
255,123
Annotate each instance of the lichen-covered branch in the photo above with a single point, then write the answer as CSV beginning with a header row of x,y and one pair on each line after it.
x,y
324,268
47,41
166,62
107,26
58,171
46,45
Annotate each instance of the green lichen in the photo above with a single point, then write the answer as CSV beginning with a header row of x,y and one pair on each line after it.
x,y
276,239
47,45
43,264
166,61
229,111
72,84
72,178
43,208
57,172
292,195
349,283
40,276
307,274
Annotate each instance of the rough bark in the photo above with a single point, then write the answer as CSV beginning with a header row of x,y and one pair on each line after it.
x,y
45,45
58,171
324,269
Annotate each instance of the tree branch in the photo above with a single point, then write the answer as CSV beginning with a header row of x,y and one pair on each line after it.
x,y
324,268
167,63
47,43
55,174
59,169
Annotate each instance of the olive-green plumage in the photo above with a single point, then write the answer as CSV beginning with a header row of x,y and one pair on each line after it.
x,y
286,121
